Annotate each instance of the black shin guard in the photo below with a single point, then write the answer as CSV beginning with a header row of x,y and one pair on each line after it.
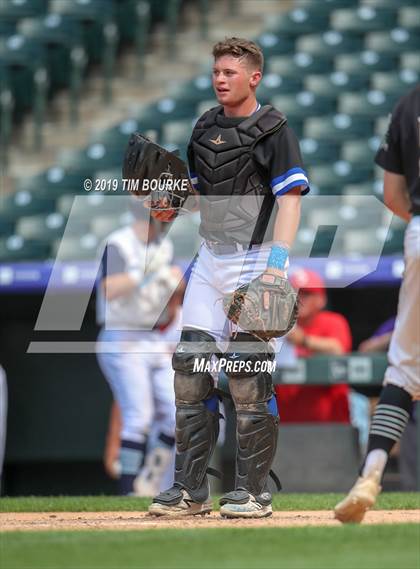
x,y
197,414
257,426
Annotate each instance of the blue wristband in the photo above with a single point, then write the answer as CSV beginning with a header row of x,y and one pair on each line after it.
x,y
278,258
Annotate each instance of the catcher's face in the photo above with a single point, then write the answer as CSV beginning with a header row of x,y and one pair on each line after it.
x,y
233,81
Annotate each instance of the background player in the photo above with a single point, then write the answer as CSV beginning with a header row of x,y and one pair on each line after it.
x,y
246,164
399,156
136,281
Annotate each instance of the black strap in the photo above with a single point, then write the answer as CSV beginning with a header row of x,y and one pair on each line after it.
x,y
214,472
276,480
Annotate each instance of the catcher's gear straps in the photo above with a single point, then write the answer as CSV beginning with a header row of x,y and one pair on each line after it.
x,y
197,413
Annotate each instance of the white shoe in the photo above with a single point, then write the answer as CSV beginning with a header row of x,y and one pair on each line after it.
x,y
177,502
360,498
242,504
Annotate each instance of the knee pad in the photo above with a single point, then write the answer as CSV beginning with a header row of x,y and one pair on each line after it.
x,y
249,375
193,386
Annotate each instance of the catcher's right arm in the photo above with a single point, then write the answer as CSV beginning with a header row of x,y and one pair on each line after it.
x,y
157,174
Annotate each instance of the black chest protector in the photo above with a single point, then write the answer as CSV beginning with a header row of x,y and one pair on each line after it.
x,y
236,201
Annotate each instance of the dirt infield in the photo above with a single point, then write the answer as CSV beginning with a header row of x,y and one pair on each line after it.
x,y
142,521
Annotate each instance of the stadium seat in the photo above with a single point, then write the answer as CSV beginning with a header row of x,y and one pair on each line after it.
x,y
24,203
392,3
103,225
316,152
362,241
275,44
330,178
83,248
6,225
366,62
363,189
274,84
52,183
410,60
409,17
372,103
58,38
338,127
331,42
327,6
381,126
16,248
193,91
335,83
305,104
94,204
185,237
395,41
363,19
154,116
303,20
94,157
91,15
116,136
395,84
300,64
47,227
360,151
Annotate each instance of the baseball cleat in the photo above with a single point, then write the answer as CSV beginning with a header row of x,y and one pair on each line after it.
x,y
242,504
177,502
360,499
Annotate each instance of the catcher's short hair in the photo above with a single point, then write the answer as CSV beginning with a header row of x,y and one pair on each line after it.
x,y
241,49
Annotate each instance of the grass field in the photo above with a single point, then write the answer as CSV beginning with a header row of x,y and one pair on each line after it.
x,y
343,547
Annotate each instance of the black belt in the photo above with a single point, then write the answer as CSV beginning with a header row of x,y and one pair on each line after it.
x,y
229,248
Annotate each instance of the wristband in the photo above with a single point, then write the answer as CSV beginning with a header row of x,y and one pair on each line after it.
x,y
279,258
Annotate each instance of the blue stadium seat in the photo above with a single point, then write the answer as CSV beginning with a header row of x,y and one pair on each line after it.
x,y
395,84
316,152
275,44
302,20
304,105
16,248
273,84
81,248
410,60
409,17
360,151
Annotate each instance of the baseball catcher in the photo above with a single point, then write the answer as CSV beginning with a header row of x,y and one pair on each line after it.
x,y
158,175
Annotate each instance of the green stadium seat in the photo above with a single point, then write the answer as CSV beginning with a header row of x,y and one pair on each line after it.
x,y
273,84
335,83
409,17
365,62
103,225
363,19
327,6
302,20
7,27
116,136
94,157
48,227
52,183
300,64
304,105
363,189
92,205
91,15
395,84
58,38
185,237
167,109
16,248
331,42
193,91
82,248
381,126
316,152
395,41
330,178
337,127
360,151
369,104
6,225
361,241
410,60
392,3
24,203
275,44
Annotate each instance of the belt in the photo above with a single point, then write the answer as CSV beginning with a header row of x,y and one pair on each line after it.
x,y
229,248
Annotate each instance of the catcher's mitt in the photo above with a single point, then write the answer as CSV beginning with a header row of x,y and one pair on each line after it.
x,y
153,172
266,307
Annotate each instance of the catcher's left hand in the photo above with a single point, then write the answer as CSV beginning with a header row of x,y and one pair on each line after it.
x,y
158,175
266,307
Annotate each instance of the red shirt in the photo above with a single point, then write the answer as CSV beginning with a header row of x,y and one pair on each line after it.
x,y
313,403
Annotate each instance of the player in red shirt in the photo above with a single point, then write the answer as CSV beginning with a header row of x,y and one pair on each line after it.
x,y
317,331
